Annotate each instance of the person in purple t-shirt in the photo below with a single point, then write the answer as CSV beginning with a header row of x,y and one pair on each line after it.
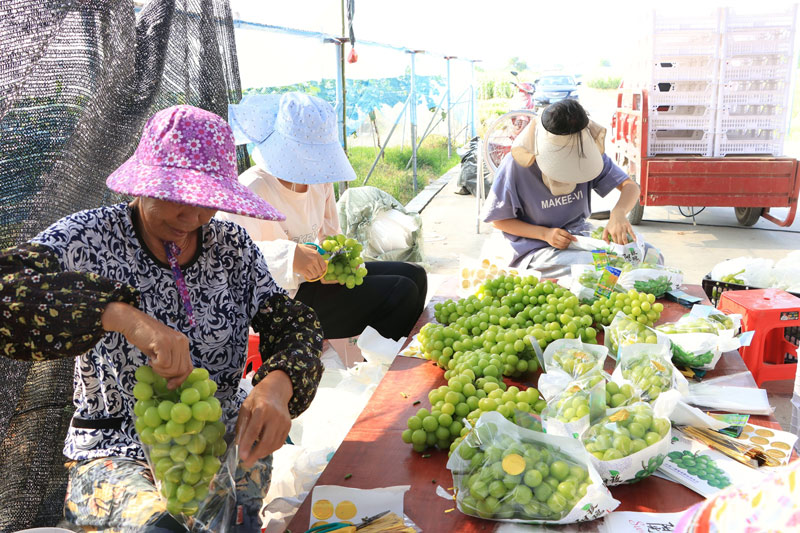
x,y
541,195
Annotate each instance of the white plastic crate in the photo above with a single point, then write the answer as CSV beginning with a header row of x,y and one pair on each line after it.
x,y
758,41
697,92
754,141
684,117
674,142
678,68
684,43
746,117
701,18
754,17
748,68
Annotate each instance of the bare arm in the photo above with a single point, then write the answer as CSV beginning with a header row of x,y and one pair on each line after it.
x,y
555,237
618,226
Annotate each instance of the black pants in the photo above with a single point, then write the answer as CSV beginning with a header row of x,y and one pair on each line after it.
x,y
390,300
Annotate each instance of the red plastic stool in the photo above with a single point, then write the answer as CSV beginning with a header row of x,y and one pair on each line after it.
x,y
253,355
768,312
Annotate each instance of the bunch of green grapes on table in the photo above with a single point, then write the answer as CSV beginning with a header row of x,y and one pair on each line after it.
x,y
183,433
701,466
625,432
505,478
576,362
345,264
691,325
639,306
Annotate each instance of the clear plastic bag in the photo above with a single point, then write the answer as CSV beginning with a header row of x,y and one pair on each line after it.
x,y
570,412
701,337
184,443
629,443
505,472
632,252
648,367
624,331
651,279
583,282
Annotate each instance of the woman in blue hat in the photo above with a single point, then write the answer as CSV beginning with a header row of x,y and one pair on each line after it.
x,y
297,159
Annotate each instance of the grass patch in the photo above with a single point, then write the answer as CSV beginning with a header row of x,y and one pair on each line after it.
x,y
390,174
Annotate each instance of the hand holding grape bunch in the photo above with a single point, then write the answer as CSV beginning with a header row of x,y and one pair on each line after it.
x,y
345,264
183,432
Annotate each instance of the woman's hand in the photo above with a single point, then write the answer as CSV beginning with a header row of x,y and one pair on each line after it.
x,y
167,349
308,262
264,419
618,227
559,238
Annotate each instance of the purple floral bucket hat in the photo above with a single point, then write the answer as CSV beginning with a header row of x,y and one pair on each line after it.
x,y
187,156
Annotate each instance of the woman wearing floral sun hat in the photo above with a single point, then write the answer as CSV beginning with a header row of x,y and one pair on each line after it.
x,y
158,281
297,159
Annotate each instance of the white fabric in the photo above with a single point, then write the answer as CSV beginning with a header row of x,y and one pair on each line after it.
x,y
310,216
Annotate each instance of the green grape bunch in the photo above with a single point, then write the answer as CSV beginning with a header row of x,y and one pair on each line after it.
x,y
506,478
576,362
639,306
657,287
183,432
649,375
345,264
625,432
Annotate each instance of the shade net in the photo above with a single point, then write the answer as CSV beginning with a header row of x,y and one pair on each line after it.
x,y
79,79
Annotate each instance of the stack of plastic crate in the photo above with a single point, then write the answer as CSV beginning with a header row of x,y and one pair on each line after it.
x,y
681,66
755,81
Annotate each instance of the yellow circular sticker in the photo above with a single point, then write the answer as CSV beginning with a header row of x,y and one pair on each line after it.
x,y
346,510
748,428
759,440
765,433
781,445
322,509
513,464
777,454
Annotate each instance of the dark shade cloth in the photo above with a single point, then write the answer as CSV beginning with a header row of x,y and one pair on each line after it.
x,y
79,80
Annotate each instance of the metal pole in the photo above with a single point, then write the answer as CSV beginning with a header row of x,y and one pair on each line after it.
x,y
413,116
386,141
449,109
473,98
479,190
434,121
340,108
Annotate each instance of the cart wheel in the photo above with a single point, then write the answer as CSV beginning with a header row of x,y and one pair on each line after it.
x,y
747,216
635,216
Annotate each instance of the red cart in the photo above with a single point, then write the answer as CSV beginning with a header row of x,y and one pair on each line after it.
x,y
752,185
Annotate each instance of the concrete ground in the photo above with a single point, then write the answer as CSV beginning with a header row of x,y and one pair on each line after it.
x,y
450,229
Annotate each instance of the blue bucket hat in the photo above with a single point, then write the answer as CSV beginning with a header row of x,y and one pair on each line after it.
x,y
295,135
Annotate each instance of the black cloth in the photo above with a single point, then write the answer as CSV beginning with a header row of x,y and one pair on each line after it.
x,y
390,300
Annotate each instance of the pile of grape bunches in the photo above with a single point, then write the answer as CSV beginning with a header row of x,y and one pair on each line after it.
x,y
345,263
184,435
701,466
481,338
518,479
625,432
648,374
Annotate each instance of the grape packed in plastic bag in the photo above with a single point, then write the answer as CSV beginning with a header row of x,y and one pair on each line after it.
x,y
648,367
505,472
629,443
650,279
566,360
632,252
583,282
183,440
701,337
570,412
624,331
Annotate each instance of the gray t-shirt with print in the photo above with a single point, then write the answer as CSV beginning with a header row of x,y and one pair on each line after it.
x,y
519,192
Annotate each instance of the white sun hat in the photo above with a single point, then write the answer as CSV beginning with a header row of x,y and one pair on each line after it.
x,y
296,140
564,159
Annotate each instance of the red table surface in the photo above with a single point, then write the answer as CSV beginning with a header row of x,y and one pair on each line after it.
x,y
375,455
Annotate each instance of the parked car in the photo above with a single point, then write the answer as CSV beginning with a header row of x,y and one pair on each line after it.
x,y
550,89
